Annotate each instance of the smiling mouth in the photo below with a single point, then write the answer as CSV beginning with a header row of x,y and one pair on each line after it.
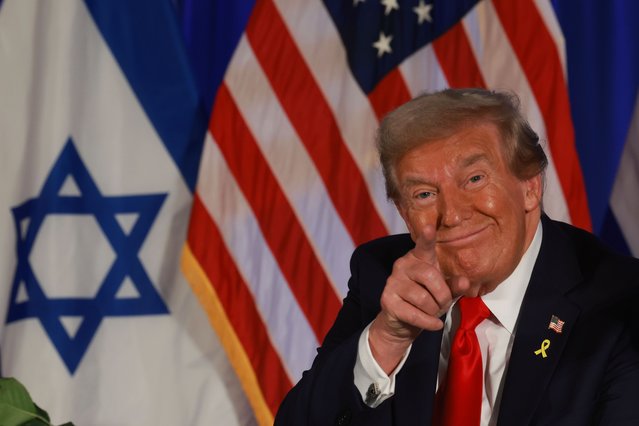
x,y
461,238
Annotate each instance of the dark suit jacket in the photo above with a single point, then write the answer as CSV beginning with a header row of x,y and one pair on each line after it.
x,y
590,376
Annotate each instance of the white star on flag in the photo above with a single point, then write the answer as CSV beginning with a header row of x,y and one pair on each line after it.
x,y
390,5
423,12
383,44
356,2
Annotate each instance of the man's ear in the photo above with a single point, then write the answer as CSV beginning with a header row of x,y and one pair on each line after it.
x,y
533,192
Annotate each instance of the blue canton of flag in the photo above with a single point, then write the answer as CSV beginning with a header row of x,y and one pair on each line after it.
x,y
378,36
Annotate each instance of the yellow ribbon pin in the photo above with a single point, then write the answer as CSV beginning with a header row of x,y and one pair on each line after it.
x,y
544,345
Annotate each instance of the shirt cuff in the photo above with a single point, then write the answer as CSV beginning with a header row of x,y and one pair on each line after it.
x,y
371,381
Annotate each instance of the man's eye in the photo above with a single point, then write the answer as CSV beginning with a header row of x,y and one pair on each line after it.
x,y
424,195
476,178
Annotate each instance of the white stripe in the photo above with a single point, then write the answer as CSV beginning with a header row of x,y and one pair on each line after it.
x,y
291,165
290,332
421,72
552,25
623,201
321,46
501,70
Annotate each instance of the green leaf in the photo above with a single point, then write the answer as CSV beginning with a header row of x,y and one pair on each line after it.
x,y
11,416
13,393
40,412
17,407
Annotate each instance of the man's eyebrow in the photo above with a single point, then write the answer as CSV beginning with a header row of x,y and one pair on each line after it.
x,y
472,159
413,181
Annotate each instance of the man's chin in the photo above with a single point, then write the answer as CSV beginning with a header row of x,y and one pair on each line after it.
x,y
474,291
478,290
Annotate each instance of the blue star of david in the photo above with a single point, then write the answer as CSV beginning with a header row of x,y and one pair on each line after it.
x,y
126,264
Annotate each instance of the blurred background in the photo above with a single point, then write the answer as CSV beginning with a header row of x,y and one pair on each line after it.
x,y
183,182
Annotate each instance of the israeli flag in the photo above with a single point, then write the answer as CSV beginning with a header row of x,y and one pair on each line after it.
x,y
100,137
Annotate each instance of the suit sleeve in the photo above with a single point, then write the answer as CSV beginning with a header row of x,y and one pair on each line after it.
x,y
619,397
326,394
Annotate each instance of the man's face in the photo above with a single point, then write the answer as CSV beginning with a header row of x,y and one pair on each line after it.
x,y
484,216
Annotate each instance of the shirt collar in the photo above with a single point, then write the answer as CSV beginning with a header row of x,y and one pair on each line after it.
x,y
505,300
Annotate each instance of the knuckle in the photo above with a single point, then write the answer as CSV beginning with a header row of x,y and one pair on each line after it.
x,y
385,300
388,301
436,279
392,284
400,264
422,298
434,273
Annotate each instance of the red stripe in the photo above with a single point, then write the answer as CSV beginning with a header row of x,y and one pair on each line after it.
x,y
539,58
209,249
281,228
457,60
313,119
389,93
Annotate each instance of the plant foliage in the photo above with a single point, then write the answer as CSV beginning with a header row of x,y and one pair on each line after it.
x,y
18,409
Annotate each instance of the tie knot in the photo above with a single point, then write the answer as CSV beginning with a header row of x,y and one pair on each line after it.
x,y
472,311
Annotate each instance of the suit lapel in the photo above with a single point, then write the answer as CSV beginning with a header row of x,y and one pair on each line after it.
x,y
556,272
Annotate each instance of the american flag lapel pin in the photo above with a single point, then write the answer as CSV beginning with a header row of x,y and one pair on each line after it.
x,y
556,324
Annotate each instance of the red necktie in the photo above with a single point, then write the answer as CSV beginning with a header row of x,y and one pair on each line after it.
x,y
458,401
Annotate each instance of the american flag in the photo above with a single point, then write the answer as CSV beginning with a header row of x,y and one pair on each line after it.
x,y
289,182
556,324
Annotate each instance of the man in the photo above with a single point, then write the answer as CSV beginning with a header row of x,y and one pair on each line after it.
x,y
553,334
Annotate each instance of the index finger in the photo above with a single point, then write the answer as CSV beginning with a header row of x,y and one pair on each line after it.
x,y
425,244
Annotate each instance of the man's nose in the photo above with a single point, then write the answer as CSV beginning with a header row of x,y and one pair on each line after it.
x,y
454,207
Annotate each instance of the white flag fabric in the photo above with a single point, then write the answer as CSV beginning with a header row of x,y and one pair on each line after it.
x,y
101,327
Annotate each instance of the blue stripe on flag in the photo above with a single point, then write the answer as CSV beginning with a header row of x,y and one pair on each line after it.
x,y
603,77
211,32
175,112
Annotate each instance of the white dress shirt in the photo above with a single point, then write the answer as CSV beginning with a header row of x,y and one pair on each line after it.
x,y
495,334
